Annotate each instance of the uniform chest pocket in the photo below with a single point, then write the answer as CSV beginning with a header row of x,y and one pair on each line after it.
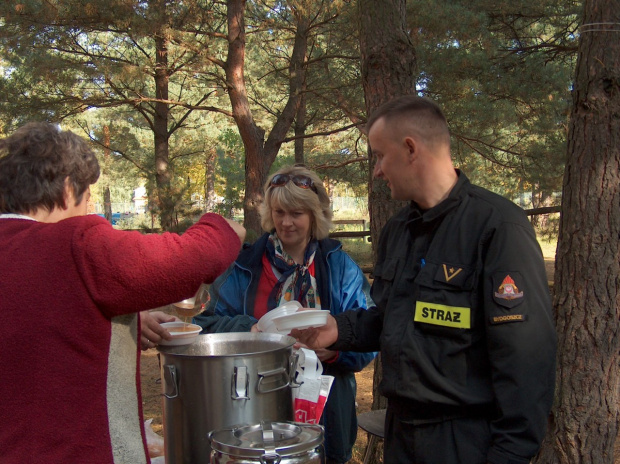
x,y
383,279
444,306
385,270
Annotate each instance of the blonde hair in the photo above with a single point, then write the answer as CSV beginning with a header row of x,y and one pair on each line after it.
x,y
292,197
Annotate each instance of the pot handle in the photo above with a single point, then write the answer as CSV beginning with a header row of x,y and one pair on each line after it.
x,y
271,456
170,379
240,383
294,361
279,371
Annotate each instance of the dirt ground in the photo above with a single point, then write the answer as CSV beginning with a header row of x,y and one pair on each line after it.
x,y
152,402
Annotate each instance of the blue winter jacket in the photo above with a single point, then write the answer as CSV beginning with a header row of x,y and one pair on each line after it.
x,y
341,285
231,308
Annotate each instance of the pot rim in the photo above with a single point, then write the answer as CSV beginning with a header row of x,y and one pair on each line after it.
x,y
272,342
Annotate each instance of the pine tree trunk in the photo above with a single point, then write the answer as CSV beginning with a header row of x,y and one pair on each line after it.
x,y
163,176
585,417
251,135
388,70
300,130
260,153
209,187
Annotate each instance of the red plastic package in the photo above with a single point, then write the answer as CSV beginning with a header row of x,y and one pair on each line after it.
x,y
311,395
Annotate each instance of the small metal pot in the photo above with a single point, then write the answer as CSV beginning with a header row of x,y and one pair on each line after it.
x,y
268,443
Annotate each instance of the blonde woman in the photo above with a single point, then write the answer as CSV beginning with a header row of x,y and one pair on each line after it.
x,y
294,260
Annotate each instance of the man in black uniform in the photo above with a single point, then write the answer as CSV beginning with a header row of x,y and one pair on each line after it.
x,y
463,314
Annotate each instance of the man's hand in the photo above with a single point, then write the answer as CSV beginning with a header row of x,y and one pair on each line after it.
x,y
151,332
316,338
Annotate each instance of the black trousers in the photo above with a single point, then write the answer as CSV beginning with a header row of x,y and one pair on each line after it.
x,y
452,441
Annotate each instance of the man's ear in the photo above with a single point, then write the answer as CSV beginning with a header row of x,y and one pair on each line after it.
x,y
412,147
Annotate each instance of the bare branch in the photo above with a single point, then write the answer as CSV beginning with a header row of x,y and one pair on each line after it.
x,y
319,134
322,167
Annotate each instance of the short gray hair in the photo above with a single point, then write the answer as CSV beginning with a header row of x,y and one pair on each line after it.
x,y
36,161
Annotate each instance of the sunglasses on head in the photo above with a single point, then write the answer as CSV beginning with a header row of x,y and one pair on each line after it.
x,y
300,181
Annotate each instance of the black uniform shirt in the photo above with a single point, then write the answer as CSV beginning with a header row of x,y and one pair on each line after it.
x,y
463,317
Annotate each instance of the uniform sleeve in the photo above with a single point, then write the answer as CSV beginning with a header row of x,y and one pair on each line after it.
x,y
359,330
521,341
129,271
225,312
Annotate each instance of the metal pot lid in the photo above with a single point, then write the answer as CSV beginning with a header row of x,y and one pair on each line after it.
x,y
254,441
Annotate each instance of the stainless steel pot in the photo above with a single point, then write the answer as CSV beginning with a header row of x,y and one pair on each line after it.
x,y
268,443
223,380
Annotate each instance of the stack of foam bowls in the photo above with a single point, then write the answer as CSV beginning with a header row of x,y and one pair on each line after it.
x,y
266,324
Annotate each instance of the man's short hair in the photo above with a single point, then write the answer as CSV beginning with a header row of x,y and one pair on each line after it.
x,y
429,120
36,161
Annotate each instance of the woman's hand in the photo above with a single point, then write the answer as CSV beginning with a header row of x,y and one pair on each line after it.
x,y
151,332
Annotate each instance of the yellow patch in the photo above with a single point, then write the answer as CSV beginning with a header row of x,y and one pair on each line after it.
x,y
437,314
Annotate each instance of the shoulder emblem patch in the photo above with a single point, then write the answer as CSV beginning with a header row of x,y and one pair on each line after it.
x,y
508,290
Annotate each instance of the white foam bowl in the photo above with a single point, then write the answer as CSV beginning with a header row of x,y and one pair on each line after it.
x,y
266,324
301,320
181,332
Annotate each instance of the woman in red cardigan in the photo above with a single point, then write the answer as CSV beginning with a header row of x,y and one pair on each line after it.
x,y
70,290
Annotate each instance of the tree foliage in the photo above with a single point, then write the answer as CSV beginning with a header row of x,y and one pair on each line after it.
x,y
142,62
502,72
154,74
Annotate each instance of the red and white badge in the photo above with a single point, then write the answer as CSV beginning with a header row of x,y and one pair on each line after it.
x,y
508,290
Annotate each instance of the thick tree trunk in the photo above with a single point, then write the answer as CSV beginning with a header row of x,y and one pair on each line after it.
x,y
259,153
251,135
165,196
388,70
585,416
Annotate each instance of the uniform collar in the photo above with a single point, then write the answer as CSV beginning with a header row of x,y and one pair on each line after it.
x,y
454,199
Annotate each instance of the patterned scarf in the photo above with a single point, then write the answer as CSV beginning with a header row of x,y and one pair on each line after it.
x,y
295,281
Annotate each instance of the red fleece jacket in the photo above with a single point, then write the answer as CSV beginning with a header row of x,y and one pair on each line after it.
x,y
69,358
